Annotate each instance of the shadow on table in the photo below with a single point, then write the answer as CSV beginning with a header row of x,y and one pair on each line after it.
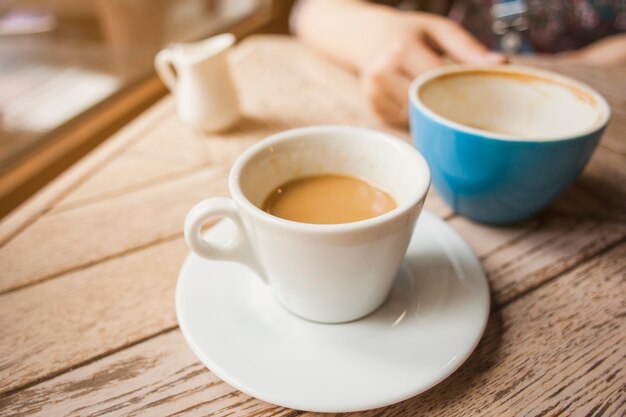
x,y
251,126
591,197
600,190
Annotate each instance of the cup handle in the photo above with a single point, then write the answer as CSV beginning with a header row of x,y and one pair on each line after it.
x,y
163,64
238,250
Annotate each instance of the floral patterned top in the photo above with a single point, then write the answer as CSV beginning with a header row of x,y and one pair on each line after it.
x,y
530,25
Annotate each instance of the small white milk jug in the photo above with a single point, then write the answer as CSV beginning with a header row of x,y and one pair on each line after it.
x,y
202,84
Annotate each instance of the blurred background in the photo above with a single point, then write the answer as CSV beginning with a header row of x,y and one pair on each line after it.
x,y
70,64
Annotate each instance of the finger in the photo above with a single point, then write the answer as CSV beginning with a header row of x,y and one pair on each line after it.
x,y
391,112
419,58
386,107
395,84
460,45
398,88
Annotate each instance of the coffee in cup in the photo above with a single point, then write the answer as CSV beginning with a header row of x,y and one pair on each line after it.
x,y
328,199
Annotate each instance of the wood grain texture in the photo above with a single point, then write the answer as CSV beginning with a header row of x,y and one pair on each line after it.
x,y
554,246
71,239
557,350
516,259
58,324
600,191
111,180
159,377
487,239
132,220
163,153
50,195
72,141
329,94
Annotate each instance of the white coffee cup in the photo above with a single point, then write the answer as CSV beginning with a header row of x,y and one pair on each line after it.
x,y
205,94
322,272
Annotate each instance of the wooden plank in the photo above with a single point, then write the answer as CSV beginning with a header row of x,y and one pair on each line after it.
x,y
42,201
537,256
171,149
157,377
486,239
600,191
72,142
65,240
50,327
554,246
70,239
518,258
557,349
113,180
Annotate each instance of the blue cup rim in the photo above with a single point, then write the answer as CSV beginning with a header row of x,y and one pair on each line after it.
x,y
604,110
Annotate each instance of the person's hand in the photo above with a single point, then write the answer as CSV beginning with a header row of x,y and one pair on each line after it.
x,y
401,46
388,47
607,52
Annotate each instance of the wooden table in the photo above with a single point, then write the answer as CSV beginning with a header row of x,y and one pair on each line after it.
x,y
89,265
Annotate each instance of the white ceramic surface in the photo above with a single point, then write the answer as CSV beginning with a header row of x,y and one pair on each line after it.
x,y
202,84
512,100
323,272
429,325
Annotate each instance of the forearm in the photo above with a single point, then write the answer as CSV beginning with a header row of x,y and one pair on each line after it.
x,y
610,51
339,28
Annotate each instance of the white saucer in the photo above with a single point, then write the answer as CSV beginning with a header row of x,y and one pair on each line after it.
x,y
430,324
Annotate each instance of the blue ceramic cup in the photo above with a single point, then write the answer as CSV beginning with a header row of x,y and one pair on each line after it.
x,y
502,142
